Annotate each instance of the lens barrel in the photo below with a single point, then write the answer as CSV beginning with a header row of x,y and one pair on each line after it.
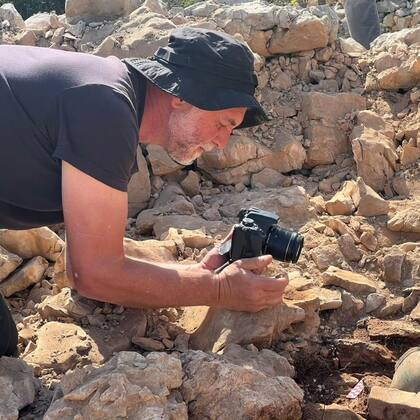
x,y
284,245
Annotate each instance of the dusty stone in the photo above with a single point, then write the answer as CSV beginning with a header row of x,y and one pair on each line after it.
x,y
62,346
391,308
328,299
389,403
8,12
147,343
191,238
392,264
375,156
331,412
415,313
135,387
65,303
42,22
267,178
213,329
348,248
161,162
409,155
230,397
406,220
369,240
354,353
353,282
368,202
30,273
265,361
151,250
393,329
191,183
8,263
325,255
374,121
342,202
374,301
351,47
27,38
32,243
139,188
18,387
341,228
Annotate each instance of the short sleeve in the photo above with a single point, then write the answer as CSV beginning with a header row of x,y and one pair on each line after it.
x,y
97,132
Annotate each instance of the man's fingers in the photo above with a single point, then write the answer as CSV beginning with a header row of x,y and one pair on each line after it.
x,y
255,263
270,284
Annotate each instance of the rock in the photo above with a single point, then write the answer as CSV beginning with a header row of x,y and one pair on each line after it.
x,y
139,187
351,47
368,202
42,22
32,243
352,282
406,220
392,329
161,162
375,156
330,412
266,361
391,308
213,329
8,263
151,250
27,38
392,264
94,11
65,303
415,313
350,311
328,299
135,387
355,353
191,184
341,228
320,114
191,238
348,248
236,392
156,6
369,240
374,301
311,305
374,121
148,344
30,273
18,387
389,403
409,155
8,12
267,178
325,255
342,202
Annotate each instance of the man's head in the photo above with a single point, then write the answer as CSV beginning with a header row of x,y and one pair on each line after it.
x,y
184,130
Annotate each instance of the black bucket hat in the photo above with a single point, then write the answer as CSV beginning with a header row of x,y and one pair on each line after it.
x,y
208,69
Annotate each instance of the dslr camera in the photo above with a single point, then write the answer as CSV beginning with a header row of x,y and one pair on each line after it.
x,y
257,234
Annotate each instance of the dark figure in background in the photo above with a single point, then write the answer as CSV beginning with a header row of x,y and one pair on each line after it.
x,y
363,20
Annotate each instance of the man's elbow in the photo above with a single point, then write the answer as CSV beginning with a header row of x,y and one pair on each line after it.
x,y
87,283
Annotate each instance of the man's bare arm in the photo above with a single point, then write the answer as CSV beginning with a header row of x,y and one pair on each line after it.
x,y
95,218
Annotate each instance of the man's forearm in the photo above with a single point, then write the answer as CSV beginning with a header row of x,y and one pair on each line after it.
x,y
142,284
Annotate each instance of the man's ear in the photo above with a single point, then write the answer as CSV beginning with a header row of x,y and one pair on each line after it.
x,y
179,104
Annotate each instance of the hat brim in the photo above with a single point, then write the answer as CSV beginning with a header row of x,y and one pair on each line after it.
x,y
183,84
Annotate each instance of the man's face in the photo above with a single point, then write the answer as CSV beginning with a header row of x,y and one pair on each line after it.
x,y
194,131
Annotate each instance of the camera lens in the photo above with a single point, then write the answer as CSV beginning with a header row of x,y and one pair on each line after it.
x,y
284,245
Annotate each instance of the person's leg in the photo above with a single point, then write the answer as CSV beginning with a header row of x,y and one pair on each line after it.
x,y
363,20
407,371
8,332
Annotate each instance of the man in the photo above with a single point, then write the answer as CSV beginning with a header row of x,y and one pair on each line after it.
x,y
70,125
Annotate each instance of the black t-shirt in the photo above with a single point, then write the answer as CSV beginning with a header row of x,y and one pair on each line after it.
x,y
54,106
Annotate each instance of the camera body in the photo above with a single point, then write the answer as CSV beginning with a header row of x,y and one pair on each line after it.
x,y
257,234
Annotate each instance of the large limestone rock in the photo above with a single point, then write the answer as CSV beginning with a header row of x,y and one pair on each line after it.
x,y
213,329
389,404
95,11
368,201
406,220
139,187
342,202
33,242
216,389
32,272
8,262
319,116
375,156
17,387
8,12
42,22
128,386
353,282
151,250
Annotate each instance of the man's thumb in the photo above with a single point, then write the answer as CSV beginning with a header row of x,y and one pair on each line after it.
x,y
255,263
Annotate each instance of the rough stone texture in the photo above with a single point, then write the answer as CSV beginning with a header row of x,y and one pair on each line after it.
x,y
375,156
8,12
320,114
368,202
42,22
393,329
32,272
62,346
392,264
139,187
151,250
325,255
342,202
348,248
128,386
213,329
330,412
94,11
353,282
389,404
17,387
406,220
374,121
32,243
161,162
191,184
191,238
236,392
267,178
8,262
374,301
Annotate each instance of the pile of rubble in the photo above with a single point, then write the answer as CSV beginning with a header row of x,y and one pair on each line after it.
x,y
338,161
